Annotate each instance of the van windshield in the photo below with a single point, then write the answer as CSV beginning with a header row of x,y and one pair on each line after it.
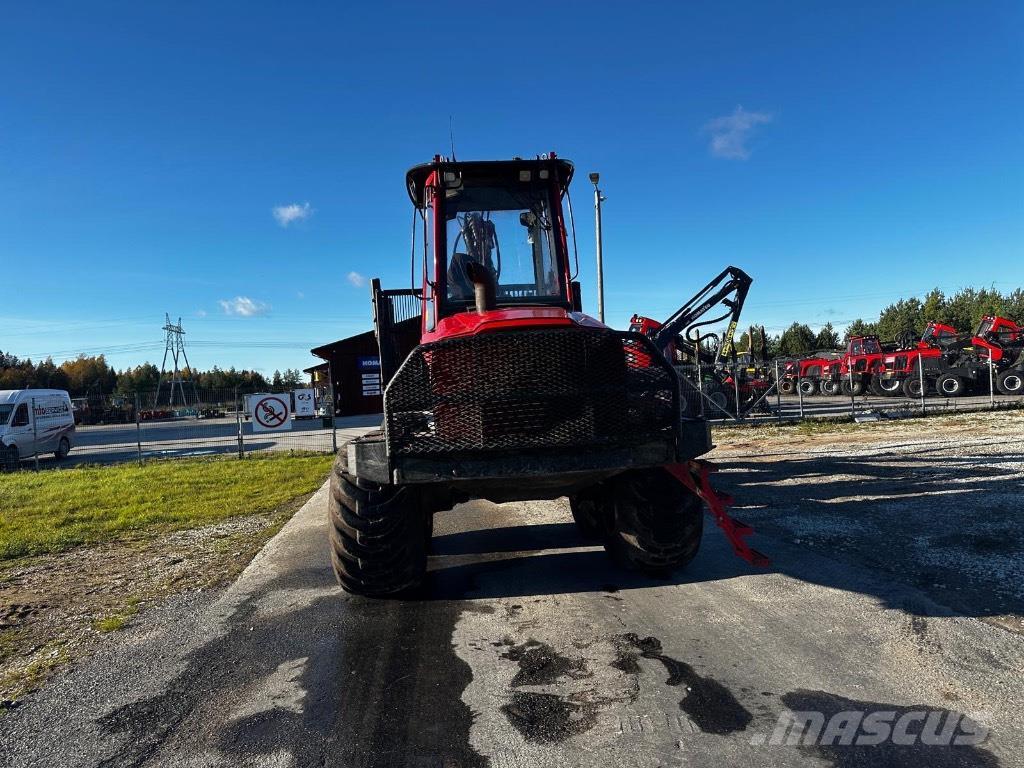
x,y
5,413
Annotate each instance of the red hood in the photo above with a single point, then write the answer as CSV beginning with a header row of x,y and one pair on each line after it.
x,y
472,322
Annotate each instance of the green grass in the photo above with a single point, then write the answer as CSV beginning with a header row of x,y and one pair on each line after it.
x,y
43,512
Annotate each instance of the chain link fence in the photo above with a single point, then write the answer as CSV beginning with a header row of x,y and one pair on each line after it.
x,y
144,425
778,391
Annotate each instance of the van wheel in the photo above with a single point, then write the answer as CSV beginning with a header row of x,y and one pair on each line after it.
x,y
10,458
63,449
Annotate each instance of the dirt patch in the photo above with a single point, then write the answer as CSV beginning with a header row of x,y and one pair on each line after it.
x,y
58,608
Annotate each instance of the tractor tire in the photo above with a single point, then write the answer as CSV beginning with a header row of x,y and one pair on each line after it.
x,y
787,386
875,388
911,387
888,387
856,388
951,385
829,387
718,403
63,449
808,387
656,523
379,534
592,512
1011,382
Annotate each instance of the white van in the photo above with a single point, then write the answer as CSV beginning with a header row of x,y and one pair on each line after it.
x,y
35,420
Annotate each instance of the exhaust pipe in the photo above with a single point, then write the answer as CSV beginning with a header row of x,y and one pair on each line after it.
x,y
485,287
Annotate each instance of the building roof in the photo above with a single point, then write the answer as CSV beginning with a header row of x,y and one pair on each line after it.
x,y
324,352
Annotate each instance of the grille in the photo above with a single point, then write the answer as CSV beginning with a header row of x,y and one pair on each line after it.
x,y
530,390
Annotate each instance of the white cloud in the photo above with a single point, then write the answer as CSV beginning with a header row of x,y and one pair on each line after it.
x,y
289,214
243,306
729,134
200,313
300,295
356,279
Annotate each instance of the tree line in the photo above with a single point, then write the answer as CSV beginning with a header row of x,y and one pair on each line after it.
x,y
962,310
89,375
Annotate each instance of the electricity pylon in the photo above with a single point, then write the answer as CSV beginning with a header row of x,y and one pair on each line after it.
x,y
175,347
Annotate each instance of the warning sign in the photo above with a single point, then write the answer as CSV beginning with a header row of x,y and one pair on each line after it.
x,y
270,413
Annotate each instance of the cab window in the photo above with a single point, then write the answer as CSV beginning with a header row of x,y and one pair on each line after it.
x,y
20,416
510,232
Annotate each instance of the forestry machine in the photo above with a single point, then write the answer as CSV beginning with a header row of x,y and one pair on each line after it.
x,y
498,387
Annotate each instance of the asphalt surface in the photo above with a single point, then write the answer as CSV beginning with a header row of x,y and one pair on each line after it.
x,y
527,649
114,443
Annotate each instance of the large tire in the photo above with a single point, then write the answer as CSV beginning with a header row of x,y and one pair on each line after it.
x,y
656,522
829,387
808,387
717,406
1011,382
911,386
856,388
787,386
951,385
592,512
379,534
888,387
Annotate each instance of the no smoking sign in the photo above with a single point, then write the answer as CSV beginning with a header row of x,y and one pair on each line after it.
x,y
270,413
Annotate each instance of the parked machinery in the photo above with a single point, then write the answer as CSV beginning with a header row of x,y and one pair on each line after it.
x,y
504,390
955,364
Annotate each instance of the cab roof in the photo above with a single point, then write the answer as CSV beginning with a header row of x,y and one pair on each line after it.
x,y
11,395
505,172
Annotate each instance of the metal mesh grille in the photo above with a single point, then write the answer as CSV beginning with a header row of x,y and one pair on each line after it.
x,y
530,390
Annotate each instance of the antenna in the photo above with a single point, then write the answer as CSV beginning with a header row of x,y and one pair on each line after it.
x,y
451,136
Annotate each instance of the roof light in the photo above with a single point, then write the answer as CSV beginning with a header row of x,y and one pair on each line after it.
x,y
543,173
525,175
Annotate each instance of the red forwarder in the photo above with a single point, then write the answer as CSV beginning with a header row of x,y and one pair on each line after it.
x,y
512,393
853,371
956,363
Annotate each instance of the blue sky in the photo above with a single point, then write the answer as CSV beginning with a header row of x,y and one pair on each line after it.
x,y
844,154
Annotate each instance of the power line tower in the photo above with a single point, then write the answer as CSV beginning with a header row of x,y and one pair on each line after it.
x,y
175,347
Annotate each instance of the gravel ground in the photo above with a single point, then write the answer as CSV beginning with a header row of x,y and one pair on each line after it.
x,y
529,649
934,502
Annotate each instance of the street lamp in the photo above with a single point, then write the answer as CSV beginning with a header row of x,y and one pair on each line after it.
x,y
598,199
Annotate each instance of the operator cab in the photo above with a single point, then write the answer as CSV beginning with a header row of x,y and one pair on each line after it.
x,y
865,345
495,220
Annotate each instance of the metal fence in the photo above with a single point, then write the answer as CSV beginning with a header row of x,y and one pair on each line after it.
x,y
136,427
741,393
